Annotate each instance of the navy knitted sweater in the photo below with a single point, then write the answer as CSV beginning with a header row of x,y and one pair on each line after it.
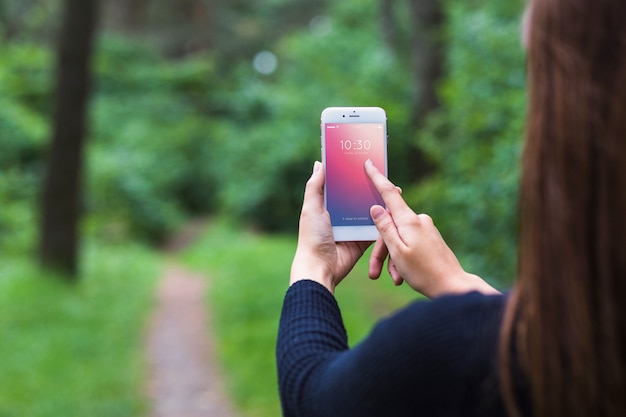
x,y
433,358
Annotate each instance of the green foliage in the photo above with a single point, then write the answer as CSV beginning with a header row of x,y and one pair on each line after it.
x,y
17,220
28,20
249,275
24,102
75,350
475,141
170,138
149,161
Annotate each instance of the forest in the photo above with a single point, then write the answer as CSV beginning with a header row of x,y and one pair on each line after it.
x,y
209,109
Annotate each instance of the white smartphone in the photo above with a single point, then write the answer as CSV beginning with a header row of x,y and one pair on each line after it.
x,y
350,136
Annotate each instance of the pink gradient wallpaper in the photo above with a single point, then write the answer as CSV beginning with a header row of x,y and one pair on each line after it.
x,y
349,193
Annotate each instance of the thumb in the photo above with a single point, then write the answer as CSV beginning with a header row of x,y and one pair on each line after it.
x,y
386,227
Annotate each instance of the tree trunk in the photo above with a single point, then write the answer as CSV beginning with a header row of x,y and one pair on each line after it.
x,y
428,19
387,23
427,50
61,197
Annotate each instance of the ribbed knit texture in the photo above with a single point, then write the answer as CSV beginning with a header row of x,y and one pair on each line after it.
x,y
433,358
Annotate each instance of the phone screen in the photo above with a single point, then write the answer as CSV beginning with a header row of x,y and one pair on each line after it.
x,y
349,192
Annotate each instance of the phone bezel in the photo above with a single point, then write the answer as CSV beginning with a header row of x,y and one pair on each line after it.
x,y
353,115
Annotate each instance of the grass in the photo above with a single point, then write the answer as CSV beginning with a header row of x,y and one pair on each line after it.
x,y
75,350
249,274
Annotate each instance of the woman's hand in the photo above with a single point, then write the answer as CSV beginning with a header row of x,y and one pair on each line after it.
x,y
318,257
417,252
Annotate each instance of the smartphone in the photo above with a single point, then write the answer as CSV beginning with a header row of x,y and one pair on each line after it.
x,y
351,136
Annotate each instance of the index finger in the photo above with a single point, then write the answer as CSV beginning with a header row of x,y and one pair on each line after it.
x,y
389,192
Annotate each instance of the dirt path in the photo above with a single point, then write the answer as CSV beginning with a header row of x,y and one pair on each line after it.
x,y
185,379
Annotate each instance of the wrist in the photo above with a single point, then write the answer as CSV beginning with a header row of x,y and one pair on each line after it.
x,y
476,283
304,271
326,283
465,282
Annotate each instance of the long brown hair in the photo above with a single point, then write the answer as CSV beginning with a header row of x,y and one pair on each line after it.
x,y
566,319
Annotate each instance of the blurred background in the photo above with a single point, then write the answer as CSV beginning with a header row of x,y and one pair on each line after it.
x,y
209,109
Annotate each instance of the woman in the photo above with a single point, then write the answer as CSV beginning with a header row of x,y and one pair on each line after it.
x,y
556,346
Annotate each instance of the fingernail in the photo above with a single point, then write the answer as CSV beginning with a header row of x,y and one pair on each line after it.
x,y
369,162
376,212
316,166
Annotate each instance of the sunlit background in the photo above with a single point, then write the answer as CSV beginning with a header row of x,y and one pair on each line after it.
x,y
209,109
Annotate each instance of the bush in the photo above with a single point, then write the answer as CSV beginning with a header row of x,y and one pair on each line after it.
x,y
174,138
25,77
149,161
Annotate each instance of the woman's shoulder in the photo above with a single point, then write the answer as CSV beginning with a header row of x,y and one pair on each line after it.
x,y
455,334
444,348
468,306
450,313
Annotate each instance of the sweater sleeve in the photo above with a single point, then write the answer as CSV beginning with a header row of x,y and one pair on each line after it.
x,y
311,332
431,357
